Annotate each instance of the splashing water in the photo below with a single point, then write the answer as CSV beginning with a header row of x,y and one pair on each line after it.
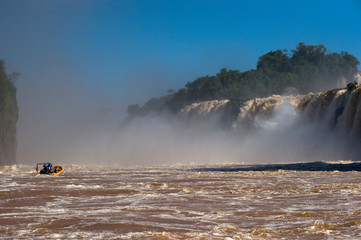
x,y
100,202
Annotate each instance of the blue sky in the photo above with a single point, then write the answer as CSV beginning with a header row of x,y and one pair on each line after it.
x,y
113,47
84,61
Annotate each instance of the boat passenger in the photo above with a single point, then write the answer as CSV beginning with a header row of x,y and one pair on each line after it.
x,y
48,167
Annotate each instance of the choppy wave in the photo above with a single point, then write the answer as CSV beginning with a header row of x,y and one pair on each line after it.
x,y
107,202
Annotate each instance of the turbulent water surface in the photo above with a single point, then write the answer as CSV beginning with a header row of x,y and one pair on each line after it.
x,y
179,203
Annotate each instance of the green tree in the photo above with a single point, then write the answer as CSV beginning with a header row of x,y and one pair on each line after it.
x,y
307,68
274,61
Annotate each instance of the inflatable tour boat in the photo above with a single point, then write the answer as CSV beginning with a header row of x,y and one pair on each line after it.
x,y
49,169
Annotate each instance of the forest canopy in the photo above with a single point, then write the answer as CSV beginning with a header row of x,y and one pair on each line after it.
x,y
307,68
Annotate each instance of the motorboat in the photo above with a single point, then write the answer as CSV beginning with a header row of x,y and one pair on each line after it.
x,y
49,169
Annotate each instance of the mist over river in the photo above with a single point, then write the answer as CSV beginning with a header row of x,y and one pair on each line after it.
x,y
201,174
180,202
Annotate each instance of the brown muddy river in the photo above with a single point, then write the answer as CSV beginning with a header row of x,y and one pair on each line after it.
x,y
175,203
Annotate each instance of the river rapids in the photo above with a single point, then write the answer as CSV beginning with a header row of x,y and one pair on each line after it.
x,y
180,202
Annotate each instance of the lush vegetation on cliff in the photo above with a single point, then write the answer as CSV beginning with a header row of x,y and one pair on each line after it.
x,y
8,118
307,68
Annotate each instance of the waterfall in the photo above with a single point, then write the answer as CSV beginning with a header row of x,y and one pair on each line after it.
x,y
338,109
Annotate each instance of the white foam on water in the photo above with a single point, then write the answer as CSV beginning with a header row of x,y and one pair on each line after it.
x,y
224,204
82,186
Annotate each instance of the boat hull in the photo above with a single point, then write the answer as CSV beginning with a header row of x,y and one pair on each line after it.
x,y
57,170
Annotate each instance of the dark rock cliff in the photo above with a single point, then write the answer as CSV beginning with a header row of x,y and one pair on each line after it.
x,y
8,118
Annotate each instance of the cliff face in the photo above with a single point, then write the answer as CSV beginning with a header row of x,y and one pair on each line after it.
x,y
8,119
339,109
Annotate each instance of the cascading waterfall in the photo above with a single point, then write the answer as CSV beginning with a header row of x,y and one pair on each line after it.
x,y
255,113
203,109
339,109
312,127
